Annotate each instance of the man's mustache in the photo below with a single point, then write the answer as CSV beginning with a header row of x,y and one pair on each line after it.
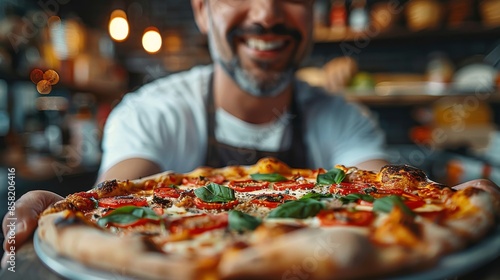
x,y
257,29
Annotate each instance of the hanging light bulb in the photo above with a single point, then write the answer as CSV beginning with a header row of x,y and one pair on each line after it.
x,y
118,25
151,40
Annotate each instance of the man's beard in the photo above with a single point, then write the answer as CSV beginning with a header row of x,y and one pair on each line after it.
x,y
269,84
272,84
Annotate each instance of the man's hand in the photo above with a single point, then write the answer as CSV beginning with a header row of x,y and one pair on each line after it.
x,y
485,185
28,208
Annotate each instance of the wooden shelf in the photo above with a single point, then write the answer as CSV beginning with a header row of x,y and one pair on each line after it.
x,y
469,31
372,99
100,87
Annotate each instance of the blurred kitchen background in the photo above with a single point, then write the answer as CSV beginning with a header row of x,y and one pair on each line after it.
x,y
427,69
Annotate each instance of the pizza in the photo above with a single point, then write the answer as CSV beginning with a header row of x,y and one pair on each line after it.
x,y
269,220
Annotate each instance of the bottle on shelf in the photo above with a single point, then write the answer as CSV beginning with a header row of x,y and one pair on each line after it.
x,y
85,142
358,17
338,16
321,13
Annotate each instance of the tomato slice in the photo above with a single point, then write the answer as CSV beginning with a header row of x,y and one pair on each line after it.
x,y
199,224
215,205
345,217
292,185
412,204
411,200
138,222
119,201
382,193
272,200
167,192
248,185
348,188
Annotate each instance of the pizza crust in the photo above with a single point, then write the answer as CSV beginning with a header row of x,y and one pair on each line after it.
x,y
333,253
309,253
474,214
95,248
393,244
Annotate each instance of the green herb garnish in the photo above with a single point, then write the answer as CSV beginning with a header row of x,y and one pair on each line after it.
x,y
353,197
239,221
128,215
334,176
298,209
213,192
316,196
385,204
271,177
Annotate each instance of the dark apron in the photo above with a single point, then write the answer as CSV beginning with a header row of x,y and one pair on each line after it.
x,y
220,154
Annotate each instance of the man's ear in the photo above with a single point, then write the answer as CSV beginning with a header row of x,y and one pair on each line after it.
x,y
200,14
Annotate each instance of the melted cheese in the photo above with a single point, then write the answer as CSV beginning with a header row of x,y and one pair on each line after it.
x,y
293,222
423,209
428,208
206,244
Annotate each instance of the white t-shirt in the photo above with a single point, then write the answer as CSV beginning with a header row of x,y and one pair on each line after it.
x,y
165,122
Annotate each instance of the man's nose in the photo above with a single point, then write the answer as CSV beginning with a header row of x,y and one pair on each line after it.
x,y
266,12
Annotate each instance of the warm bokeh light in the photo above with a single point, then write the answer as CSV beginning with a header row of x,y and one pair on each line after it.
x,y
54,20
44,80
67,37
118,25
151,40
173,43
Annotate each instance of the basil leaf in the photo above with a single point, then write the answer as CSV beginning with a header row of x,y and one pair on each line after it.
x,y
316,196
385,204
353,197
127,215
299,209
334,176
271,177
240,221
215,193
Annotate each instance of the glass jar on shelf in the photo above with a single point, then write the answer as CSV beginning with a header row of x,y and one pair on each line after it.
x,y
338,16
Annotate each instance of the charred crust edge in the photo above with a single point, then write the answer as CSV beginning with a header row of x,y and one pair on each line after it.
x,y
414,172
107,186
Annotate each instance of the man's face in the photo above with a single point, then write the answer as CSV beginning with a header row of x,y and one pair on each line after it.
x,y
260,43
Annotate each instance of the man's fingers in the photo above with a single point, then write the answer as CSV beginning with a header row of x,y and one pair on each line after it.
x,y
483,184
5,259
18,225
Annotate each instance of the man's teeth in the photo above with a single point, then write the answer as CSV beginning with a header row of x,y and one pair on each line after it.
x,y
262,45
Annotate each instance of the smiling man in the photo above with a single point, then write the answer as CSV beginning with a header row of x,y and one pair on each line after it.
x,y
252,43
245,106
